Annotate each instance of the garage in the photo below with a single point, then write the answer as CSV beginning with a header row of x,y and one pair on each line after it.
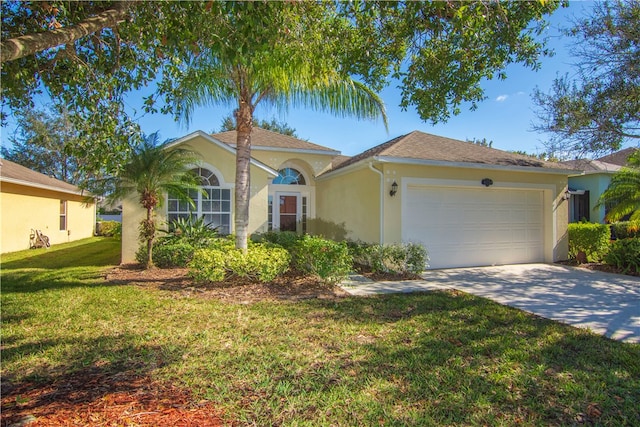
x,y
464,226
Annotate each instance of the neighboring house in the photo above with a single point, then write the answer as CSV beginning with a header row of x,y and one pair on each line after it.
x,y
590,179
468,204
32,201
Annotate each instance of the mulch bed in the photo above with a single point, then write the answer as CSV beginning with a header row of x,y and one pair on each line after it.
x,y
93,397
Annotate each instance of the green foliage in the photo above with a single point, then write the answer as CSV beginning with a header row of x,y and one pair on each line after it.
x,y
327,259
262,262
625,229
625,255
168,254
194,231
405,258
589,239
110,228
274,125
286,239
208,265
596,107
622,197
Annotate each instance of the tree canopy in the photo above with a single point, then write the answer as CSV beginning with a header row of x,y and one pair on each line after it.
x,y
228,123
598,108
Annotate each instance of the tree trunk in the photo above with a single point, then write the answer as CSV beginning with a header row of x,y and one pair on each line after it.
x,y
244,120
30,44
150,235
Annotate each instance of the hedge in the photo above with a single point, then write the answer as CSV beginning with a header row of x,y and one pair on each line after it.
x,y
588,242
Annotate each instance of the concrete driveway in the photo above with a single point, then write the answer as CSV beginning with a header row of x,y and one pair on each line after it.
x,y
608,304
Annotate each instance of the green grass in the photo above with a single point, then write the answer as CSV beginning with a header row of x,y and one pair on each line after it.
x,y
423,359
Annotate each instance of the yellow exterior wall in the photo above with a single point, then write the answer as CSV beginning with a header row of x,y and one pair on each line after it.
x,y
353,198
23,208
312,164
352,201
223,163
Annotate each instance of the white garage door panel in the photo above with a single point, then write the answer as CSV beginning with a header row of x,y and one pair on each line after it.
x,y
469,227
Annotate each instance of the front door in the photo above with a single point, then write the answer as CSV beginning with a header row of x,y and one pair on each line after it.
x,y
287,215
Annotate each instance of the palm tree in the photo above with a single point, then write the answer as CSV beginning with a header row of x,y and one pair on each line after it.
x,y
622,197
151,172
271,68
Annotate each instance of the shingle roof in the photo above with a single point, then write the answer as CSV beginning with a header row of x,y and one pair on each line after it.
x,y
591,165
13,172
423,146
265,138
619,158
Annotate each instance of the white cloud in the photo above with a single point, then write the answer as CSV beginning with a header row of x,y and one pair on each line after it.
x,y
502,98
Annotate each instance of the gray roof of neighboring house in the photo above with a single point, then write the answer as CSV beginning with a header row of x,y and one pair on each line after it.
x,y
423,146
267,139
591,166
619,158
15,173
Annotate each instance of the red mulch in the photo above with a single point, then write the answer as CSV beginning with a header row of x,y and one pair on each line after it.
x,y
93,397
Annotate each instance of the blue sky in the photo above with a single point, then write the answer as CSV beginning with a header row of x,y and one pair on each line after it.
x,y
505,117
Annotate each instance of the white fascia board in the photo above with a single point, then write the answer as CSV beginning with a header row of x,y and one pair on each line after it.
x,y
360,164
222,145
46,187
441,163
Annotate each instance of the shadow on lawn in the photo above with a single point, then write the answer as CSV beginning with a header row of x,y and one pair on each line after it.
x,y
91,254
95,369
457,353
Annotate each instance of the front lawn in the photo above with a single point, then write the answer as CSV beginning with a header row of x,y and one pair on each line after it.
x,y
441,358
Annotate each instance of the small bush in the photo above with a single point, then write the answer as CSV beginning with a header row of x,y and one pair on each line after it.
x,y
327,259
406,258
109,228
208,265
286,239
172,254
625,229
193,231
625,255
262,262
588,240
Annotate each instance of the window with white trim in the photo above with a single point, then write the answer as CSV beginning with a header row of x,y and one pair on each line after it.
x,y
289,176
214,205
63,215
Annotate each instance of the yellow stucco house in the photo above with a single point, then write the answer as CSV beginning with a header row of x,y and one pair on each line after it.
x,y
33,201
469,205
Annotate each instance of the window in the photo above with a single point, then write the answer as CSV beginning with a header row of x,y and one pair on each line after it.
x,y
214,205
289,176
579,207
63,215
270,214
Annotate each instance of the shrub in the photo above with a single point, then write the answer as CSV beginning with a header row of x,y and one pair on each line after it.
x,y
262,262
286,239
172,254
588,240
406,258
327,259
193,231
625,229
109,228
625,255
208,265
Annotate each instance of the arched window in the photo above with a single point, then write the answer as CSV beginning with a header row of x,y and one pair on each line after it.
x,y
214,205
289,176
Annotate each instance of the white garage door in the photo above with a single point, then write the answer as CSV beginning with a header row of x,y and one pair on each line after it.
x,y
463,227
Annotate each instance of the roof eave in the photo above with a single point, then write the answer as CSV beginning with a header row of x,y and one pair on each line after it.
x,y
46,187
442,163
222,145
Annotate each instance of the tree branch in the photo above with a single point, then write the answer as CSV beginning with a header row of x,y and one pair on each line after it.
x,y
30,44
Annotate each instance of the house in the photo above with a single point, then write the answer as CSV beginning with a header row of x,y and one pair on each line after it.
x,y
32,201
591,179
469,205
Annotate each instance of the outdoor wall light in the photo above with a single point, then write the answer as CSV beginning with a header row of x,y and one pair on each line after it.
x,y
394,189
567,195
487,182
